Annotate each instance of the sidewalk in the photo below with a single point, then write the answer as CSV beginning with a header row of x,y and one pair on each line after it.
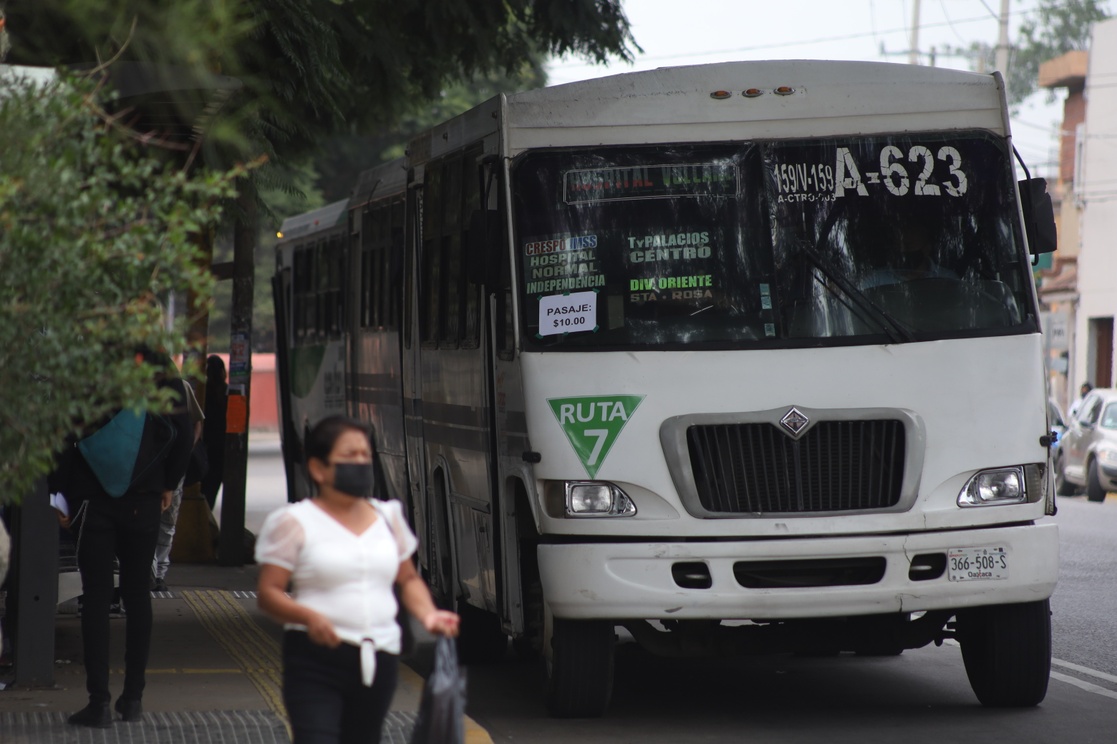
x,y
214,674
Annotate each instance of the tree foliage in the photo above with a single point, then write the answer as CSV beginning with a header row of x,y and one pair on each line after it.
x,y
311,67
1055,28
94,234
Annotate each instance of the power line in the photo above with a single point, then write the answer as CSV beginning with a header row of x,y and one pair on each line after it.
x,y
817,40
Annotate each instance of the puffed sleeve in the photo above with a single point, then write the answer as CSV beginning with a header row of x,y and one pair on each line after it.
x,y
280,540
405,538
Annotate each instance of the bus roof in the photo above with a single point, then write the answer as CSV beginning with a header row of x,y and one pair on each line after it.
x,y
315,221
383,180
794,98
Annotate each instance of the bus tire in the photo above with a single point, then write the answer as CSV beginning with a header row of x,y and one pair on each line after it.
x,y
1094,490
1007,652
579,668
482,639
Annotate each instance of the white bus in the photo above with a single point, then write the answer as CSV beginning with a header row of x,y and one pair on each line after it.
x,y
738,358
311,328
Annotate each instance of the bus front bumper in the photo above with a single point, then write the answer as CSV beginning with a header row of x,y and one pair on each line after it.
x,y
640,580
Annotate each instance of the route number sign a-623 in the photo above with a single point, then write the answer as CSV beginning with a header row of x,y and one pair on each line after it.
x,y
976,564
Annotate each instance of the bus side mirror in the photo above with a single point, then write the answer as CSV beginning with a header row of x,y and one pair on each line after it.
x,y
483,256
1039,216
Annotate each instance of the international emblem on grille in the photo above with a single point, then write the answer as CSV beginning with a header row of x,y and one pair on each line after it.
x,y
794,421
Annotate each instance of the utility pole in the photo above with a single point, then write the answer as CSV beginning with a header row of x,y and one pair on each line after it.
x,y
1003,47
230,547
913,40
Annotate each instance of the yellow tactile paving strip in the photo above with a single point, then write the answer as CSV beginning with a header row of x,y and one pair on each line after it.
x,y
257,653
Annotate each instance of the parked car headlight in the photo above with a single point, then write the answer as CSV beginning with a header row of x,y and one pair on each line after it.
x,y
1107,457
991,487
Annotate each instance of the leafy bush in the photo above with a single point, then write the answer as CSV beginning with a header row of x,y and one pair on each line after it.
x,y
96,231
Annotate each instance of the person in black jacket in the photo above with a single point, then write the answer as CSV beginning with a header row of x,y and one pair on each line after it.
x,y
213,428
124,528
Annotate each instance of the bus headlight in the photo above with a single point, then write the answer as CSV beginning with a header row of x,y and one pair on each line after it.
x,y
597,499
990,487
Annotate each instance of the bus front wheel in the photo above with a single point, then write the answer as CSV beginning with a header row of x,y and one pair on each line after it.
x,y
1007,652
578,658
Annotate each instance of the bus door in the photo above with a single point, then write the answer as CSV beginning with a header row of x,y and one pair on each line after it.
x,y
508,426
292,452
410,366
456,387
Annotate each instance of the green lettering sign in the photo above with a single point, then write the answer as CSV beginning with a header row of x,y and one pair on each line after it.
x,y
592,424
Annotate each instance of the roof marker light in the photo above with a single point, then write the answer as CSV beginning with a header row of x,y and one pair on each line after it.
x,y
720,95
752,92
784,90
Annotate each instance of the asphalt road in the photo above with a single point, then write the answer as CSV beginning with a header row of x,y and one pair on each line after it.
x,y
921,696
1084,607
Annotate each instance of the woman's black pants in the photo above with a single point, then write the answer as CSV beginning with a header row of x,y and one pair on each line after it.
x,y
326,701
124,528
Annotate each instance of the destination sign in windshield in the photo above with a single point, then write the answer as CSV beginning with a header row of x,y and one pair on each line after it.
x,y
649,182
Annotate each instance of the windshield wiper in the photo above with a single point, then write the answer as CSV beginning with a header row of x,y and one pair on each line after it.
x,y
894,329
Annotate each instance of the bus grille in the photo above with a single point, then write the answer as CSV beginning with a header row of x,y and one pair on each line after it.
x,y
834,466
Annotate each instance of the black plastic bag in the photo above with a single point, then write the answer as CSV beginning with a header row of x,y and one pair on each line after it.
x,y
441,718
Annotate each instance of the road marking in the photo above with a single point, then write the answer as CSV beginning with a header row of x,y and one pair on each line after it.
x,y
1084,685
1085,670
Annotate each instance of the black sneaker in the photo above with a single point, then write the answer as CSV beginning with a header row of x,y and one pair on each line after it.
x,y
94,715
158,585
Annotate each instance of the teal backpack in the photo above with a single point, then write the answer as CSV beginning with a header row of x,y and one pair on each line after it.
x,y
111,451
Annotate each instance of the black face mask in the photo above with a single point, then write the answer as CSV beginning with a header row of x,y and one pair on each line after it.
x,y
353,478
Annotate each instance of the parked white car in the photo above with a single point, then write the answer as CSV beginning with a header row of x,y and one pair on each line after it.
x,y
1087,454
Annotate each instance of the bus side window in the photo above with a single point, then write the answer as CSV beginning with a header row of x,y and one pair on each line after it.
x,y
430,281
452,269
450,305
366,314
471,293
393,264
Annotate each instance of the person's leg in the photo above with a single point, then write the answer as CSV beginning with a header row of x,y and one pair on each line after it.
x,y
96,550
167,522
362,719
138,520
313,689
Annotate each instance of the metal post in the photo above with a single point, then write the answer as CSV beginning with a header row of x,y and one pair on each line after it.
x,y
35,568
913,41
230,549
1003,47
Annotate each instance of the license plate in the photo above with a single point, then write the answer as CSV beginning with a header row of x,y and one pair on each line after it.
x,y
977,564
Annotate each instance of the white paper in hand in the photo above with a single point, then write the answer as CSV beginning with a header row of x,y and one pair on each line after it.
x,y
58,501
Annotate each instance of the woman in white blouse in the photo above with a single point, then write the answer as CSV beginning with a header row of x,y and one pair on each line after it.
x,y
341,553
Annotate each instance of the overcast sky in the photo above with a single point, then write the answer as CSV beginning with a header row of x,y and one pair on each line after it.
x,y
687,32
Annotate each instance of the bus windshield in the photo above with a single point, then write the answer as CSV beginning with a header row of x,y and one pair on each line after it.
x,y
870,239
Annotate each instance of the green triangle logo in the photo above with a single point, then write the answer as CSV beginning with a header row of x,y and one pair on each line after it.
x,y
593,423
